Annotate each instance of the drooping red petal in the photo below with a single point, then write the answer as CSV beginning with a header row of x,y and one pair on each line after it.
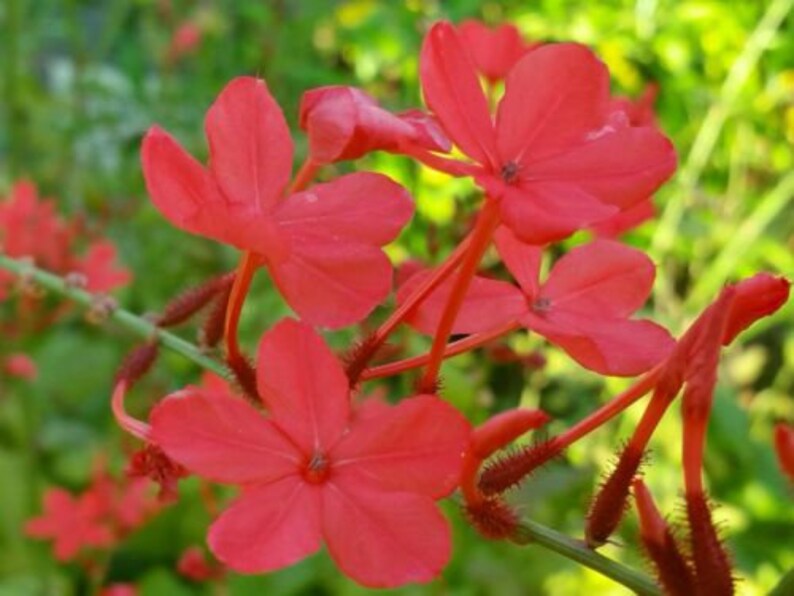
x,y
521,259
545,212
268,527
222,438
488,304
416,446
618,165
618,347
303,385
453,93
250,144
383,539
553,98
602,279
756,297
494,51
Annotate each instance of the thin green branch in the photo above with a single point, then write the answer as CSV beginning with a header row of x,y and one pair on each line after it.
x,y
134,324
577,551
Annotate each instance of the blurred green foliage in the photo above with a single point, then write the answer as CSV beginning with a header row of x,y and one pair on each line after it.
x,y
82,80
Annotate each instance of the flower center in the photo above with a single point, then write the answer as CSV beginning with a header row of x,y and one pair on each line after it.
x,y
509,172
317,469
541,305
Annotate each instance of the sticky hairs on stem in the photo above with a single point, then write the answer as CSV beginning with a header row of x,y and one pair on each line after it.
x,y
509,470
191,301
713,573
611,501
211,332
359,356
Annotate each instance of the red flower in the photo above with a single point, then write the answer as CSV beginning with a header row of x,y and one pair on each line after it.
x,y
73,523
493,51
557,157
582,307
313,471
346,123
322,246
100,268
20,365
185,40
30,227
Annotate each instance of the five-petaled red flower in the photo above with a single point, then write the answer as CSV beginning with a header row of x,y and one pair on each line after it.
x,y
313,469
558,156
583,306
322,246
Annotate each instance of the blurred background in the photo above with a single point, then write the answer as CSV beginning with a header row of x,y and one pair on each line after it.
x,y
81,82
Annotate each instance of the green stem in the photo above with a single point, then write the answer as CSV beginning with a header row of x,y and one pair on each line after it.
x,y
134,324
577,551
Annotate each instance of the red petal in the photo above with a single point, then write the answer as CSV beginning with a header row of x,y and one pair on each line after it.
x,y
602,279
553,97
624,221
618,347
544,212
337,273
521,259
101,268
250,144
756,297
222,438
620,166
303,385
488,303
179,186
452,91
383,539
364,207
415,446
494,51
268,527
333,285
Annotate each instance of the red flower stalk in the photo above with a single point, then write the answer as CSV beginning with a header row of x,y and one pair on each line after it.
x,y
672,568
558,157
784,447
333,230
582,307
346,123
313,468
488,513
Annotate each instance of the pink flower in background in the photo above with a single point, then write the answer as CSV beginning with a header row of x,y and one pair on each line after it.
x,y
312,470
21,366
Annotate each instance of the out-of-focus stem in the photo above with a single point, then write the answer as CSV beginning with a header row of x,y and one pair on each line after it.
x,y
134,324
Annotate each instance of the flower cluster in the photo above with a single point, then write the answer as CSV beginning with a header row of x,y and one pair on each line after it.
x,y
553,155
